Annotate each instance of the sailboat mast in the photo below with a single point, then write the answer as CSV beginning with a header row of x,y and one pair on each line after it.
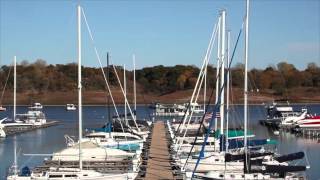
x,y
108,100
228,89
222,59
205,88
134,86
79,87
14,87
246,85
125,93
15,165
217,73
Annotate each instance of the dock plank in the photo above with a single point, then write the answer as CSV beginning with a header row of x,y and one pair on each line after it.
x,y
158,166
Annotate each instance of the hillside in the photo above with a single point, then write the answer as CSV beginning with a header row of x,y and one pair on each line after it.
x,y
56,84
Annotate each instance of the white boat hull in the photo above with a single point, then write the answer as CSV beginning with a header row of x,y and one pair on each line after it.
x,y
66,175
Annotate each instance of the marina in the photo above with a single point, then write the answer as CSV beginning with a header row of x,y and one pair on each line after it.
x,y
93,116
205,127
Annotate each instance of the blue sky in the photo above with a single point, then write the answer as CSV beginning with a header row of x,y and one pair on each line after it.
x,y
158,32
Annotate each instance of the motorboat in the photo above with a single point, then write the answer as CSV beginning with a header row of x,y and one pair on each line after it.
x,y
176,109
292,120
2,108
305,120
33,116
36,106
71,107
168,109
277,113
310,121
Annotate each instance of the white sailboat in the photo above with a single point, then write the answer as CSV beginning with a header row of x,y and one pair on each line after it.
x,y
33,117
244,171
135,129
91,152
118,140
75,173
213,159
105,137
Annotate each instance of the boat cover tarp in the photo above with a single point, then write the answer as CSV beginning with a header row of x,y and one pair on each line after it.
x,y
236,157
290,157
278,169
105,128
239,143
233,133
236,143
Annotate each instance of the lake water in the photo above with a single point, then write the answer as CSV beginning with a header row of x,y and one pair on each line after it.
x,y
46,141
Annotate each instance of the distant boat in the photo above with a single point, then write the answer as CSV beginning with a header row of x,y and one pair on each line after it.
x,y
310,121
70,107
276,132
33,116
2,132
2,108
176,109
36,106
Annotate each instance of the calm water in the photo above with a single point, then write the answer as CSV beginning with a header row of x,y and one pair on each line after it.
x,y
46,141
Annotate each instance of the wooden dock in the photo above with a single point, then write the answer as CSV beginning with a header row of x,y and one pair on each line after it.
x,y
21,129
158,165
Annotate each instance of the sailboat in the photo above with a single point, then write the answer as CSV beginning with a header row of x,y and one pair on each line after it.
x,y
14,123
213,159
130,123
33,117
108,138
270,167
75,173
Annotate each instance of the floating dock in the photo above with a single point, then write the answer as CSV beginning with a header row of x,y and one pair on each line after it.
x,y
21,129
158,164
309,133
100,166
304,132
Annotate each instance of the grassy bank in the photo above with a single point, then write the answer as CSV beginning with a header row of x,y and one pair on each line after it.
x,y
298,95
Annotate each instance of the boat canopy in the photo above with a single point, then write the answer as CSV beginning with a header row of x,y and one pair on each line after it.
x,y
284,109
233,134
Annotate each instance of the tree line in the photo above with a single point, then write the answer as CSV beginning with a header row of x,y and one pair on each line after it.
x,y
39,77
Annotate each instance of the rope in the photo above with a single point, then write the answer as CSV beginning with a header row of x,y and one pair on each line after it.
x,y
205,63
216,106
5,85
125,98
104,75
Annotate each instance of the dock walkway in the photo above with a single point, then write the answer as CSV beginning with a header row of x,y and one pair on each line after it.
x,y
158,166
21,129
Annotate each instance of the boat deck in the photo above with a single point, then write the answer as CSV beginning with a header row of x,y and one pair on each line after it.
x,y
158,166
